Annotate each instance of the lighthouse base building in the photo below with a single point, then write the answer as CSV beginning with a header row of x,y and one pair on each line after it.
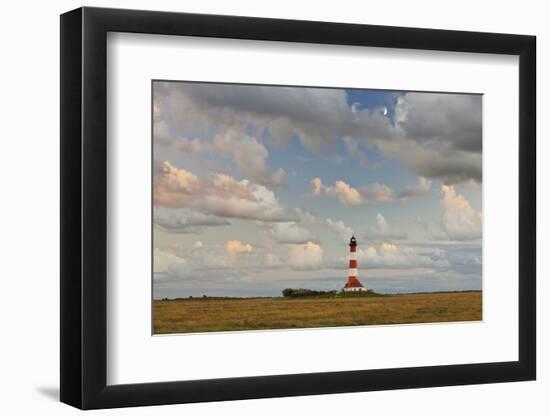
x,y
353,284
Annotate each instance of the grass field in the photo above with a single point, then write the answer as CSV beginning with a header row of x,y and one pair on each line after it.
x,y
229,314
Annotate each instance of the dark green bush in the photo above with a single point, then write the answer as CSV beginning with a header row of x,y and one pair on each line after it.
x,y
304,292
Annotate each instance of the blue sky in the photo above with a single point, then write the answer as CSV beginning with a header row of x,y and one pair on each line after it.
x,y
259,188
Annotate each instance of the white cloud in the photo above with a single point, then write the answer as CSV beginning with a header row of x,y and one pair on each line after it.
x,y
161,133
460,221
167,263
207,259
317,186
192,259
343,231
432,231
218,195
351,196
288,232
387,255
305,257
272,261
383,230
305,217
345,193
209,264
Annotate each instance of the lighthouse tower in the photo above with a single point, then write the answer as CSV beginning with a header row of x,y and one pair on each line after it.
x,y
353,284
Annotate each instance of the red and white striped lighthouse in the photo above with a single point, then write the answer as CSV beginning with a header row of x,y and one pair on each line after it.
x,y
353,283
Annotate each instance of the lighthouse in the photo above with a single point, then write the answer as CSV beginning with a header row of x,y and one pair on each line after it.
x,y
353,284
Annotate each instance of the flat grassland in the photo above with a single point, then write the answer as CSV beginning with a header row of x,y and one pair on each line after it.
x,y
191,315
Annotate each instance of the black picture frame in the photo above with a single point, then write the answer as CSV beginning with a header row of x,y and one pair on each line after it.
x,y
84,207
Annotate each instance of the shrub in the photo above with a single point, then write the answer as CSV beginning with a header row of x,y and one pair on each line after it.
x,y
304,292
287,292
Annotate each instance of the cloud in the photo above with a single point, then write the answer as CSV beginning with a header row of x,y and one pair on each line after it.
x,y
380,193
452,118
432,231
235,260
436,135
317,186
240,261
236,246
388,255
343,231
173,222
352,147
351,196
288,232
422,186
200,109
305,257
161,133
225,260
283,112
460,221
383,230
249,155
217,195
305,217
200,219
272,261
345,193
204,265
174,187
168,264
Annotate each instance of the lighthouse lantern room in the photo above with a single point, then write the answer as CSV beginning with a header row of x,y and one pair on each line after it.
x,y
353,284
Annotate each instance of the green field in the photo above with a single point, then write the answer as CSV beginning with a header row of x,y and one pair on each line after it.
x,y
191,315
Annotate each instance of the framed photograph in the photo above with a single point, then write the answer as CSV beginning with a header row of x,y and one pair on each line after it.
x,y
257,208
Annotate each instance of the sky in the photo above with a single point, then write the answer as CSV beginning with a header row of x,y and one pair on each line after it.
x,y
259,188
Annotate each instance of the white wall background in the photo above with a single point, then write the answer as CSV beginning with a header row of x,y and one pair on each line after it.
x,y
29,237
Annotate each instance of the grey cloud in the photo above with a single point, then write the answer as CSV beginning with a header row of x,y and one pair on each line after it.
x,y
173,222
437,135
422,186
316,115
452,118
380,193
